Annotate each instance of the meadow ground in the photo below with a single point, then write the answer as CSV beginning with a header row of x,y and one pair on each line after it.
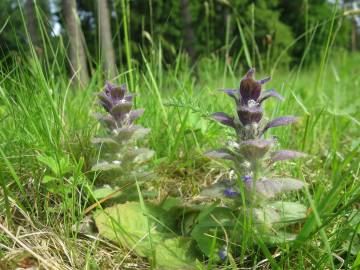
x,y
43,118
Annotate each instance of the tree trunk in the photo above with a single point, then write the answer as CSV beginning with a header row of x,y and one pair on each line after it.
x,y
189,36
32,24
78,63
353,35
107,49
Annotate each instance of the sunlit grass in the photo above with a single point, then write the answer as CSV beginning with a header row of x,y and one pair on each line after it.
x,y
42,115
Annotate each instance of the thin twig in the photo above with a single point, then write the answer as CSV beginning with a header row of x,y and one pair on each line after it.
x,y
23,245
108,197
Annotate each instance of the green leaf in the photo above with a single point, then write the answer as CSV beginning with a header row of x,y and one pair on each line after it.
x,y
175,253
127,225
171,202
354,241
48,179
209,226
204,237
266,216
290,212
279,237
103,192
356,263
280,214
58,167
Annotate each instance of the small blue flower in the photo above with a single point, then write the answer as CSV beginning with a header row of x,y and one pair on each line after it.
x,y
230,192
223,253
247,179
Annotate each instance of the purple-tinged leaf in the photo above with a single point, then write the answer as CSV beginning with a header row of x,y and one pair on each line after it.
x,y
107,120
265,80
255,149
135,114
248,115
281,121
232,93
221,153
270,188
105,101
285,155
224,119
120,110
269,93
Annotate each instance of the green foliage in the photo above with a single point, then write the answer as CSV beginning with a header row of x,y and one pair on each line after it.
x,y
144,231
209,225
173,253
263,25
269,26
307,17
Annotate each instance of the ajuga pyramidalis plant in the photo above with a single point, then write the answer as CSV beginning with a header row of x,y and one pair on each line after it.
x,y
253,156
119,154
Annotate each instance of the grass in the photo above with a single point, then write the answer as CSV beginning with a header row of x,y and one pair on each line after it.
x,y
45,121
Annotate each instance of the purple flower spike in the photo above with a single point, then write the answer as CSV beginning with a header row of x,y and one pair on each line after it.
x,y
119,151
250,89
118,103
230,192
253,157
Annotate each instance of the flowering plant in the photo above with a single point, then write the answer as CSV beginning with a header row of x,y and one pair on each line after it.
x,y
253,156
118,149
215,228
